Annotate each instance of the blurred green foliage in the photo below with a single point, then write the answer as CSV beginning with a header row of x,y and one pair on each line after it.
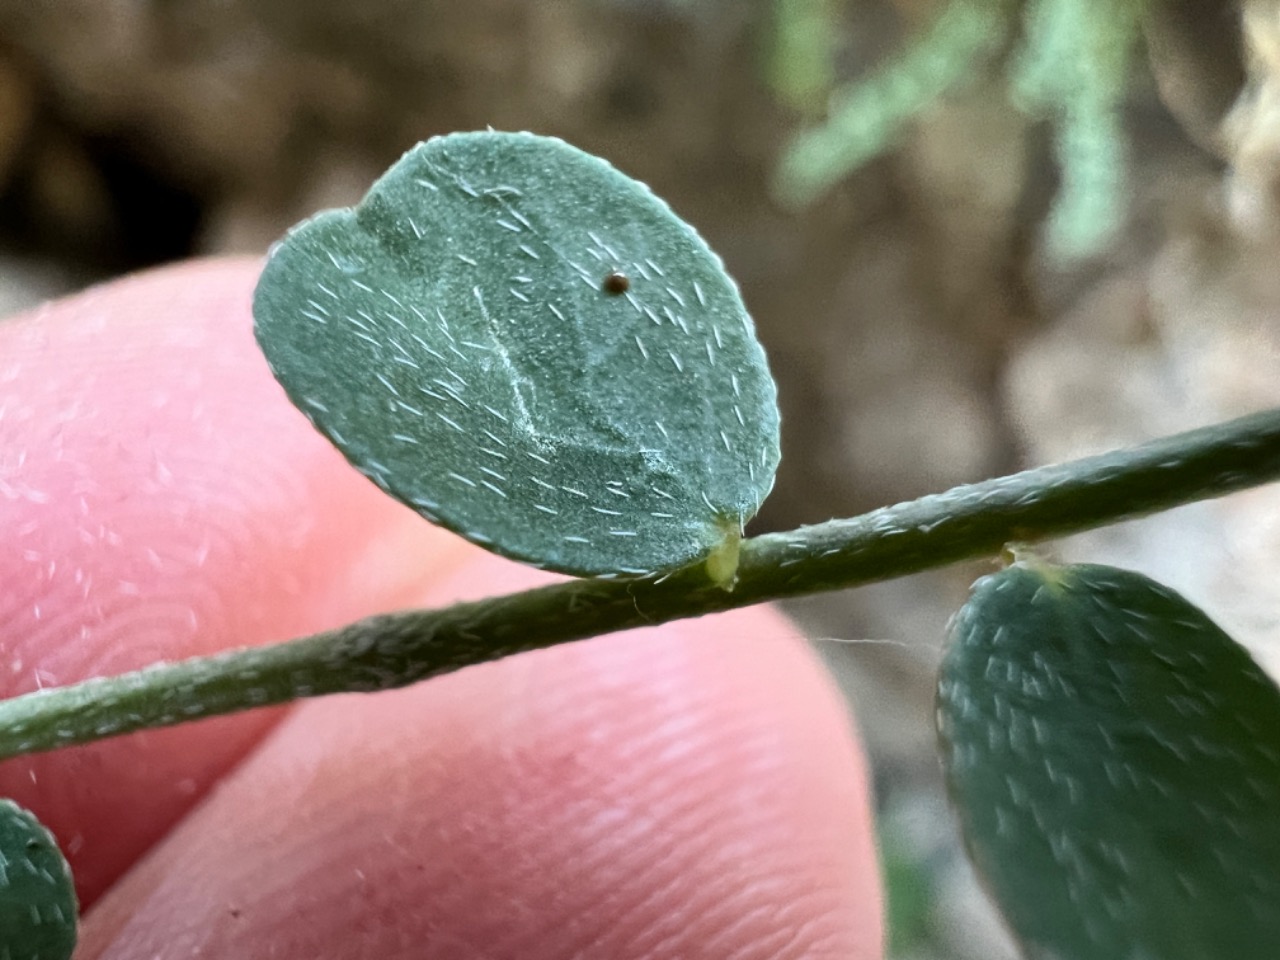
x,y
801,60
1070,65
909,889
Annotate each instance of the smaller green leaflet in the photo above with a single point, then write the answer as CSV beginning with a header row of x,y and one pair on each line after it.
x,y
1114,759
529,348
37,898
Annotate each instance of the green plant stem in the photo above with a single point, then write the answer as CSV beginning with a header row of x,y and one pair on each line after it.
x,y
394,650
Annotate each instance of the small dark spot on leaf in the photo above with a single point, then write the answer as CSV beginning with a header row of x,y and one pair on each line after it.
x,y
616,283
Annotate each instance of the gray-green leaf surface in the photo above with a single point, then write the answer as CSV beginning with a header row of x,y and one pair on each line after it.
x,y
1114,759
37,898
459,336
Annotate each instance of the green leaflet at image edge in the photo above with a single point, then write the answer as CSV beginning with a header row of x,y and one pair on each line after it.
x,y
37,898
458,337
1114,760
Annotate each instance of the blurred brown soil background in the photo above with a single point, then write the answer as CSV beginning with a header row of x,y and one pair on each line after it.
x,y
920,334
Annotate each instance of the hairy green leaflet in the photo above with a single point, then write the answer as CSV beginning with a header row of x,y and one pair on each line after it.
x,y
1114,758
37,898
530,348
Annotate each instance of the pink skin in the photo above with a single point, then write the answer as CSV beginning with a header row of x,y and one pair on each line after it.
x,y
687,791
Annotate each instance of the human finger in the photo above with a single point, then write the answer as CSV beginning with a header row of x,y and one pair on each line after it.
x,y
686,791
160,498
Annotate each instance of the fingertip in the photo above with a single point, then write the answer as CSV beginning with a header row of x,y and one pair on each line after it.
x,y
693,790
163,499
